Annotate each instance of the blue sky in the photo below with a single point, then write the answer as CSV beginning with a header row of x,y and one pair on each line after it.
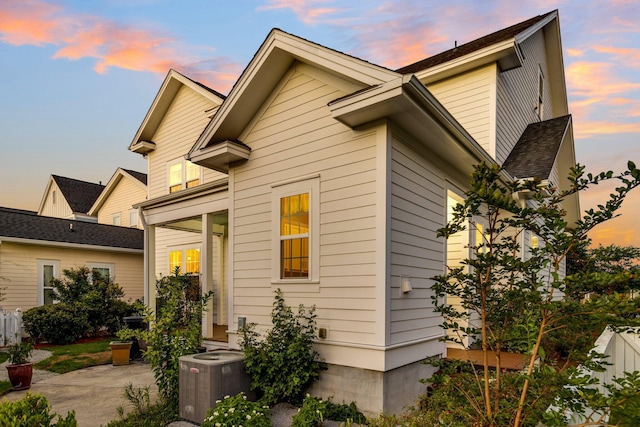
x,y
77,77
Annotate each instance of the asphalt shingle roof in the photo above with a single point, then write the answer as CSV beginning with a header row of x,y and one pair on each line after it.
x,y
472,46
80,195
535,152
142,177
29,225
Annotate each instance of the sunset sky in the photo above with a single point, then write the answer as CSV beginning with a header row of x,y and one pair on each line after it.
x,y
77,77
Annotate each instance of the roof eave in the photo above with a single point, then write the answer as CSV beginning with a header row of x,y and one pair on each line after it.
x,y
408,103
53,243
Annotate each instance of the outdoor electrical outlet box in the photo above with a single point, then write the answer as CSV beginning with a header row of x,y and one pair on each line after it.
x,y
242,322
322,333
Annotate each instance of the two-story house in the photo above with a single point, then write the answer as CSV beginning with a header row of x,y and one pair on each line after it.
x,y
327,176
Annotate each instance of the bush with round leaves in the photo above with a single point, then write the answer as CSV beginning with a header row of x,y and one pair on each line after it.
x,y
56,323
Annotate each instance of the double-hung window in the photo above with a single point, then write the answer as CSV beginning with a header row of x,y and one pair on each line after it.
x,y
187,260
295,221
183,174
105,269
47,271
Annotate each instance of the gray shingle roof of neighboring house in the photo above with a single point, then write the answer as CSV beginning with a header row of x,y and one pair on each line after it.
x,y
142,177
21,224
472,46
537,149
80,195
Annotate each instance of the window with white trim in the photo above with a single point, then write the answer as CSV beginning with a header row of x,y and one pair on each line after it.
x,y
183,174
540,106
47,271
106,270
187,259
115,219
133,218
295,231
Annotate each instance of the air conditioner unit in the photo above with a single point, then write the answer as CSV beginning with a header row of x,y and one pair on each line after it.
x,y
207,377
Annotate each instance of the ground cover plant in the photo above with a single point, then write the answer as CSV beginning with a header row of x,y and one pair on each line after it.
x,y
525,303
237,411
283,364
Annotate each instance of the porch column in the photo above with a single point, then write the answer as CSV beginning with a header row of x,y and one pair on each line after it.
x,y
206,272
150,266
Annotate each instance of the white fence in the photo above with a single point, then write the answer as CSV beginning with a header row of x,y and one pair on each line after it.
x,y
622,351
10,327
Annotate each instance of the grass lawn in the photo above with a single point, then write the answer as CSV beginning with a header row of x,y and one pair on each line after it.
x,y
67,358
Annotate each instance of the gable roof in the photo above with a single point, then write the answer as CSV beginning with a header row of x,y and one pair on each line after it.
x,y
472,46
172,83
137,178
28,227
272,61
80,195
537,149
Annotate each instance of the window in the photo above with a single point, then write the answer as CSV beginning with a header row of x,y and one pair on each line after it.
x,y
106,270
186,259
47,271
295,229
540,105
133,218
115,219
183,174
53,197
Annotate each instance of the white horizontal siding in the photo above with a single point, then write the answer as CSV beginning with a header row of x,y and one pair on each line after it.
x,y
517,92
180,128
418,201
295,136
18,268
121,200
469,98
61,208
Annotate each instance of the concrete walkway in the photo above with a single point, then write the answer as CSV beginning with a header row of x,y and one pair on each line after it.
x,y
94,393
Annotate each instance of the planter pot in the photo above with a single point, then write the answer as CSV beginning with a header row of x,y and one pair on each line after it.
x,y
20,375
120,352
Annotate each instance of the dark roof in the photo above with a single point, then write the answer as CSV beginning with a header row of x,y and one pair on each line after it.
x,y
535,152
142,177
80,195
28,225
472,46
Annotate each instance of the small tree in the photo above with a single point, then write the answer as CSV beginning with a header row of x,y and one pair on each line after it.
x,y
507,299
176,331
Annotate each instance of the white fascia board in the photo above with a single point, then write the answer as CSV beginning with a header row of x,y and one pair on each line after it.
x,y
70,245
44,195
267,67
473,60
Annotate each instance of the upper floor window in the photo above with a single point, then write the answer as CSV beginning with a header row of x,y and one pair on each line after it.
x,y
296,243
133,218
54,197
540,105
183,174
115,219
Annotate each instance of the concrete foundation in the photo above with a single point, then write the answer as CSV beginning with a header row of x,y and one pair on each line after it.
x,y
373,391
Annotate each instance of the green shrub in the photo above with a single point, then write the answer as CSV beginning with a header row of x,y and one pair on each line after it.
x,y
143,414
56,323
99,294
237,411
33,410
283,365
176,331
315,411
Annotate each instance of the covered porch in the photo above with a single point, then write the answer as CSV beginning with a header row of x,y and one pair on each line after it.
x,y
188,230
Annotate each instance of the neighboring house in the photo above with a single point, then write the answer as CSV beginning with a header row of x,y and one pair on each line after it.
x,y
327,176
35,249
69,198
115,203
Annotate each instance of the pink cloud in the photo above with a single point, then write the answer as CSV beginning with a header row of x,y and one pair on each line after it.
x,y
307,11
110,43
